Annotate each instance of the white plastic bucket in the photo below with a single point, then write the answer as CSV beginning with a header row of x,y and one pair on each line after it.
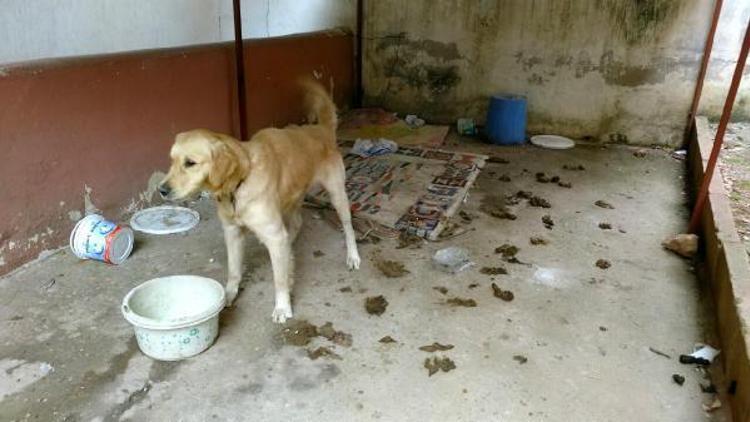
x,y
94,237
175,317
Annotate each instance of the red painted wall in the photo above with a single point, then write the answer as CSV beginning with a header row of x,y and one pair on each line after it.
x,y
108,122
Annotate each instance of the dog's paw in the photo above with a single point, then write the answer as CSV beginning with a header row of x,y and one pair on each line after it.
x,y
230,296
353,261
281,314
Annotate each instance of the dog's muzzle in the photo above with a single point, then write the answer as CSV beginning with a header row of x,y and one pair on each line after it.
x,y
164,190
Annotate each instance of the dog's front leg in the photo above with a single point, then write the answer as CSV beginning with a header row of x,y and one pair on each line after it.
x,y
234,237
278,242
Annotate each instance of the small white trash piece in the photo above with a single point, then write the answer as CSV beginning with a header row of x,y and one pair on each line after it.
x,y
452,259
95,237
175,317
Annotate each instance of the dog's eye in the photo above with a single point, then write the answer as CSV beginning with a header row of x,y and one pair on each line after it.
x,y
189,163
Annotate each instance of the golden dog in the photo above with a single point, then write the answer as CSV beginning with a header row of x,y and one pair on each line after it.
x,y
259,186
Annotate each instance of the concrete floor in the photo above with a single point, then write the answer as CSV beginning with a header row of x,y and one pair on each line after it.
x,y
67,354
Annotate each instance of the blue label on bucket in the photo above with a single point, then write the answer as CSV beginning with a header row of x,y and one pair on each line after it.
x,y
96,243
90,237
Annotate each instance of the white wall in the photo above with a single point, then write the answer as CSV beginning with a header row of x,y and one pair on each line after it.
x,y
40,29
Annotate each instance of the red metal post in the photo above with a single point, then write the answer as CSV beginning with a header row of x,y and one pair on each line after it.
x,y
704,65
239,59
700,201
358,90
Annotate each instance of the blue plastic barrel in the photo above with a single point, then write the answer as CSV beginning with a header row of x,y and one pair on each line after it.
x,y
506,119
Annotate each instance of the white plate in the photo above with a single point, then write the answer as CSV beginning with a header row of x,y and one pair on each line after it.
x,y
552,142
166,219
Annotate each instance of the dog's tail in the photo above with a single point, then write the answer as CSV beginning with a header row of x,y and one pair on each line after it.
x,y
321,108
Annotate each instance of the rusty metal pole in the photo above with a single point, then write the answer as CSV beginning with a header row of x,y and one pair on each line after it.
x,y
239,59
700,201
704,66
358,90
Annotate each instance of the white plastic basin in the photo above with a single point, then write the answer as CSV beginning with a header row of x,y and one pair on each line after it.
x,y
175,317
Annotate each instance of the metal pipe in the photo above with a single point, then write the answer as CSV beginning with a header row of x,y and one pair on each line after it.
x,y
700,201
358,89
239,59
704,66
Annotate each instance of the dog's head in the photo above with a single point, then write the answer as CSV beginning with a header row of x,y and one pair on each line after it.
x,y
203,160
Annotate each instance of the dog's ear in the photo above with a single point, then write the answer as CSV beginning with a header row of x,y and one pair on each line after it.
x,y
224,165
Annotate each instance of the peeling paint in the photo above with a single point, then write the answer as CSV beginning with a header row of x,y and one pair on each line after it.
x,y
75,215
147,196
88,204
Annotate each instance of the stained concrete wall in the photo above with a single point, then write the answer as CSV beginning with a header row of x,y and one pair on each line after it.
x,y
621,71
60,28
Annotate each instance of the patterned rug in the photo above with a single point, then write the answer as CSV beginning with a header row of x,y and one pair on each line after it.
x,y
413,190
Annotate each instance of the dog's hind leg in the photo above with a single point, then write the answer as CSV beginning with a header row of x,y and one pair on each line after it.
x,y
333,182
234,237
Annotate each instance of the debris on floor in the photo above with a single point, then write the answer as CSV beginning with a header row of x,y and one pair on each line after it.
x,y
377,123
605,226
466,217
703,355
452,259
521,359
414,121
566,185
497,160
678,379
473,285
495,206
539,202
376,305
603,264
493,270
536,240
441,289
659,352
346,289
466,127
504,178
573,167
409,241
391,269
542,178
548,222
451,230
322,352
507,250
436,364
337,337
387,339
457,301
318,253
436,347
298,332
604,204
640,153
374,147
499,293
685,245
679,154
